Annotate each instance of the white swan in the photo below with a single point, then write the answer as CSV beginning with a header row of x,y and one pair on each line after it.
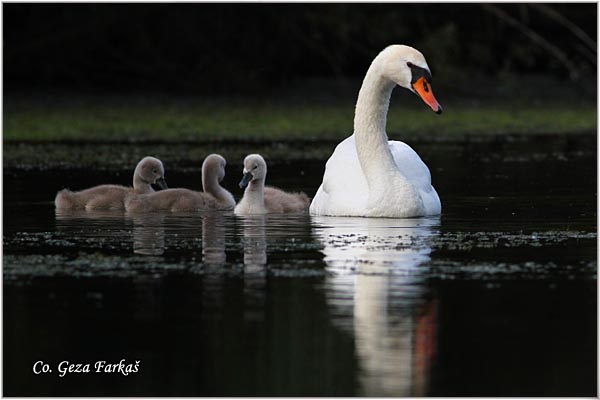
x,y
367,175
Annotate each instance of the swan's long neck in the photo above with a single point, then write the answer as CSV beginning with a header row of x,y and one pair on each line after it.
x,y
369,125
140,185
210,184
254,194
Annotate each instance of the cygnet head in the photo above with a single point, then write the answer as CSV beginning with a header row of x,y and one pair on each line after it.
x,y
255,168
407,67
214,165
150,170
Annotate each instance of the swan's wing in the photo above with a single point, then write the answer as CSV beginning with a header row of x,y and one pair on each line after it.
x,y
410,164
414,169
344,190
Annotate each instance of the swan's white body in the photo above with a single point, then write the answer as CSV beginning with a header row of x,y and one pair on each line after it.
x,y
345,190
367,175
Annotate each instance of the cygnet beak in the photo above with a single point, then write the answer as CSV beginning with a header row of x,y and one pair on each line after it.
x,y
246,180
161,183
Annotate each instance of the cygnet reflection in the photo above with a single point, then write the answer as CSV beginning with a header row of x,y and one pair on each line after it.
x,y
255,267
67,217
92,225
376,290
213,239
148,234
255,243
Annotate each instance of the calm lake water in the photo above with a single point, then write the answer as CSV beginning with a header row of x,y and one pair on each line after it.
x,y
497,297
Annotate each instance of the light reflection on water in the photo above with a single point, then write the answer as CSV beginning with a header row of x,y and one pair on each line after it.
x,y
376,287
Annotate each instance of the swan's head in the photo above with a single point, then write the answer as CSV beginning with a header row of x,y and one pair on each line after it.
x,y
214,165
255,168
407,67
151,171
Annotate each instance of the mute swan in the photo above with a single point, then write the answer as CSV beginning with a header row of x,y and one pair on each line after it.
x,y
148,171
259,199
213,197
367,175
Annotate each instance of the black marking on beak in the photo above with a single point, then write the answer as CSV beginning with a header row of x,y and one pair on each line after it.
x,y
161,184
418,73
439,110
246,180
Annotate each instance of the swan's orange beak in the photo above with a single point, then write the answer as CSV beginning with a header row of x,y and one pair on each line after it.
x,y
423,89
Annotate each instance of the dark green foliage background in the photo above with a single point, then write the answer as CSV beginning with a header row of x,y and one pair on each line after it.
x,y
252,48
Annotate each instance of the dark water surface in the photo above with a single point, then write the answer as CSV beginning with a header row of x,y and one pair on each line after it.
x,y
497,297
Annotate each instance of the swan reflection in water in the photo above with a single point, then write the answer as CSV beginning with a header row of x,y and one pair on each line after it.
x,y
376,290
81,218
94,225
255,244
213,239
148,234
255,267
148,229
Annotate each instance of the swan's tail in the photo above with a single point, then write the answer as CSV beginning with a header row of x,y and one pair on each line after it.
x,y
304,199
299,202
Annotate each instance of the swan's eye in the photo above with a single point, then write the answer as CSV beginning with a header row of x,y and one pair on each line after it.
x,y
155,171
418,73
256,166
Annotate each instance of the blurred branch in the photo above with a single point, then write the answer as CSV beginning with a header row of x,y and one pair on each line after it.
x,y
576,30
590,53
535,38
587,53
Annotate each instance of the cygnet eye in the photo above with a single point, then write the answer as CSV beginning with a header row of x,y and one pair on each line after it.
x,y
256,166
155,171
